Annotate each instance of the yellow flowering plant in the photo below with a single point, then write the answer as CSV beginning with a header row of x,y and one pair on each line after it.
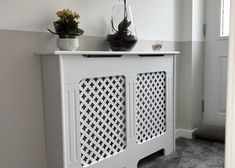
x,y
67,24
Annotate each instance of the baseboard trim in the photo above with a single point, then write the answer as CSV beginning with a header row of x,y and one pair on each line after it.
x,y
182,133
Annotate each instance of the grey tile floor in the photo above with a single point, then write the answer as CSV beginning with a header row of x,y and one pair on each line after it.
x,y
194,153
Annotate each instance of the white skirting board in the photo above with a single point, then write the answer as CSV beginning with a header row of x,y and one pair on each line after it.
x,y
183,133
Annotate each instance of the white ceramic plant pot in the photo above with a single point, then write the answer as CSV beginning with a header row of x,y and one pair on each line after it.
x,y
68,44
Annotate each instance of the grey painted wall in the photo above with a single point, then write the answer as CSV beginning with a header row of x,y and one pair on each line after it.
x,y
190,85
21,110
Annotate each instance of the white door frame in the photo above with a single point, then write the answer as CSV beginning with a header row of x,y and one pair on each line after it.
x,y
230,118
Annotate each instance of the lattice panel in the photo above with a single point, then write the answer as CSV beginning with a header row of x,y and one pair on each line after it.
x,y
150,106
102,118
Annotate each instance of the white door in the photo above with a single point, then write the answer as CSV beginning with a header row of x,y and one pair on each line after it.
x,y
215,78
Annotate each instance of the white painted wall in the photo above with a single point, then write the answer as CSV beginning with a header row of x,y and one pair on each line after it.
x,y
198,19
155,19
230,117
186,21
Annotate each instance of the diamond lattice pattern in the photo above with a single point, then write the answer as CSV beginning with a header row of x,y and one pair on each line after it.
x,y
102,118
150,106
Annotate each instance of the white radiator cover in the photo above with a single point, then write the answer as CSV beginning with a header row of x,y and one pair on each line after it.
x,y
107,112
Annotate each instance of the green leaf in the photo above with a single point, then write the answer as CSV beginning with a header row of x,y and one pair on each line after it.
x,y
123,26
67,28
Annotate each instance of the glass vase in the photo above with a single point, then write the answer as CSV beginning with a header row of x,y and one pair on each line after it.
x,y
121,32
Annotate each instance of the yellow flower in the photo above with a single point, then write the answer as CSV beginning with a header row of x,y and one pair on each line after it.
x,y
76,15
66,13
60,14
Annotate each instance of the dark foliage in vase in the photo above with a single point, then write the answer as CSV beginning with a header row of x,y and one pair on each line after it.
x,y
122,39
67,24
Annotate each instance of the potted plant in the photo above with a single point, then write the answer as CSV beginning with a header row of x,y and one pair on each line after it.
x,y
123,36
66,27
